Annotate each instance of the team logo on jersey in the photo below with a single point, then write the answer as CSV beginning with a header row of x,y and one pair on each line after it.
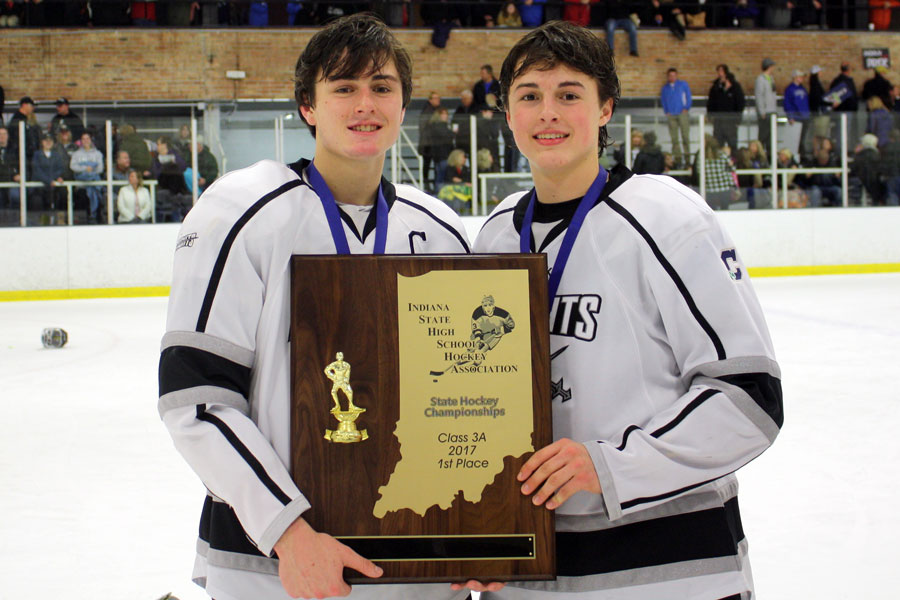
x,y
489,324
558,388
186,241
729,257
573,315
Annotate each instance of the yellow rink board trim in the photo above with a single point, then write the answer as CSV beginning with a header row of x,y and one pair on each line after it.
x,y
144,292
824,270
126,292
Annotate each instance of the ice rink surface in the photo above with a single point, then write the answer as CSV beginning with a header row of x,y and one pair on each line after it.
x,y
96,504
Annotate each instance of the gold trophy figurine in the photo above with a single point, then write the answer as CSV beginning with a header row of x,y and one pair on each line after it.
x,y
339,373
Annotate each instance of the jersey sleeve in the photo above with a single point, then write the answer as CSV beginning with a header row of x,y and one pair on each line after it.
x,y
221,281
731,410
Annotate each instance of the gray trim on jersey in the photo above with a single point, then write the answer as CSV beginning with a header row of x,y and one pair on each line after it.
x,y
645,575
276,528
236,560
209,343
607,483
203,394
735,366
745,403
711,495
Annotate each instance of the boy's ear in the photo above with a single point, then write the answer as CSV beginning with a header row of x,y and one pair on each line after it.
x,y
606,110
309,114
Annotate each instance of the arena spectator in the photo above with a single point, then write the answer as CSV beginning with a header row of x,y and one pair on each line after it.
x,y
796,107
766,106
843,98
509,15
778,14
182,143
25,113
818,107
879,121
488,133
121,166
890,160
824,189
618,16
866,170
9,171
637,140
650,158
173,199
744,14
258,15
487,85
180,13
665,14
461,126
424,146
48,166
133,201
532,12
207,165
578,12
2,104
751,185
721,183
726,106
879,86
10,14
440,138
143,14
675,96
137,148
87,165
65,115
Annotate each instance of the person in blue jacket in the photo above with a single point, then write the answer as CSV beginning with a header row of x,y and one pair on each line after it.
x,y
676,102
796,107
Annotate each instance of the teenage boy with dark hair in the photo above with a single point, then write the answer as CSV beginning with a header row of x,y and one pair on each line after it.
x,y
224,369
666,377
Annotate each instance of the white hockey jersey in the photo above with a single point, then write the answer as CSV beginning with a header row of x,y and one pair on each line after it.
x,y
224,368
662,366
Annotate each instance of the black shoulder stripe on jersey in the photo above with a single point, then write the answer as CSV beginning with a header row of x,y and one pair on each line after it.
x,y
219,267
695,311
221,529
456,234
700,399
693,404
497,214
705,534
765,390
245,453
183,367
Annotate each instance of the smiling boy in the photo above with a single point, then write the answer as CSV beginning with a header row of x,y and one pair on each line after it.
x,y
224,368
663,373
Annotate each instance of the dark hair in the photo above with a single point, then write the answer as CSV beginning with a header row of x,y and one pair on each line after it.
x,y
671,70
561,42
347,48
724,67
488,68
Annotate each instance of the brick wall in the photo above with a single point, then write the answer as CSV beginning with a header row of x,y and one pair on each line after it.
x,y
148,64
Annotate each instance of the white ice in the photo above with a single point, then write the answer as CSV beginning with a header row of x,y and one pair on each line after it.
x,y
96,503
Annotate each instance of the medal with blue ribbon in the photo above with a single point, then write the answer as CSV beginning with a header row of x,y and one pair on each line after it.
x,y
334,218
565,249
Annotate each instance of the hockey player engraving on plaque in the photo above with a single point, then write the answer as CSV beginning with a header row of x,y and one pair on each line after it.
x,y
450,382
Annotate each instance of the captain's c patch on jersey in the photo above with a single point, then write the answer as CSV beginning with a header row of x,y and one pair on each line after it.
x,y
729,257
572,315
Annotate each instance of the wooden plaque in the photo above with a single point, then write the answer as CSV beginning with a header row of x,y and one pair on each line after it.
x,y
449,358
